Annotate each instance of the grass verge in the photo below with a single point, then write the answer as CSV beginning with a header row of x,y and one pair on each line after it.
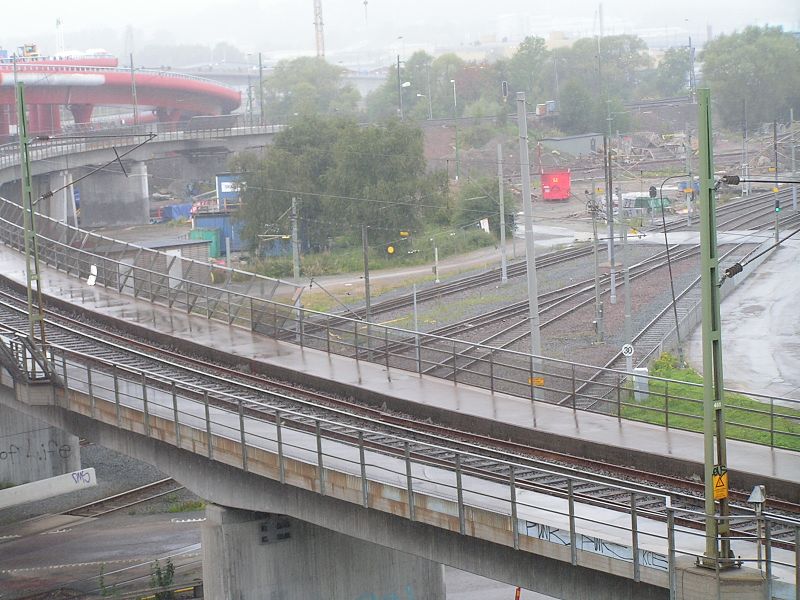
x,y
681,404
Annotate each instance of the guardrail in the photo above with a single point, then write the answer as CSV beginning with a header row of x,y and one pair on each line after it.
x,y
53,147
420,481
266,306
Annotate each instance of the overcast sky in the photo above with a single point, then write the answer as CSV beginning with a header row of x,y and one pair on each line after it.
x,y
286,26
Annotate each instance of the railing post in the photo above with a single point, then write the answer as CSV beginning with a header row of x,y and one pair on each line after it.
x,y
116,395
243,440
797,561
530,378
574,389
208,426
66,379
418,352
491,371
208,303
281,468
409,483
772,421
768,555
514,524
144,405
619,397
91,391
573,550
175,415
355,339
364,490
635,539
300,312
386,351
666,404
671,551
328,334
455,364
319,459
462,527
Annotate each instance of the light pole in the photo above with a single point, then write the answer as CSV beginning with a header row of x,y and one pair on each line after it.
x,y
455,120
669,264
403,85
435,261
430,105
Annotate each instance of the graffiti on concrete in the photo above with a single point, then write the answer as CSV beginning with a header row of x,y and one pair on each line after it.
x,y
28,451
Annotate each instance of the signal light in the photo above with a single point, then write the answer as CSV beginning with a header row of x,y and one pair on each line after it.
x,y
777,206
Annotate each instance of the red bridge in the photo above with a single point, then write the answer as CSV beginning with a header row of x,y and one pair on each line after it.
x,y
80,84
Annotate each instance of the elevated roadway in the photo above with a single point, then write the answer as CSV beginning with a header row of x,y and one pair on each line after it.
x,y
80,88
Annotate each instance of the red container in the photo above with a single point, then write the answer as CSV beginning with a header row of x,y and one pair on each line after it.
x,y
556,185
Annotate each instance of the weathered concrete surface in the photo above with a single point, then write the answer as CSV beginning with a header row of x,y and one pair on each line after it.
x,y
761,330
47,488
109,198
30,449
256,555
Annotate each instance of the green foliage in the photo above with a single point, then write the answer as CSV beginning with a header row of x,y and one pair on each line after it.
x,y
479,199
672,72
746,419
759,67
307,86
186,506
529,69
161,578
344,175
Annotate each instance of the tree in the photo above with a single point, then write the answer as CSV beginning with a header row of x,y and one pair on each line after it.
x,y
672,72
307,86
759,68
478,199
526,69
345,175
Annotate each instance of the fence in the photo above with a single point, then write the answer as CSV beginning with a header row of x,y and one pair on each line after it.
x,y
266,306
421,481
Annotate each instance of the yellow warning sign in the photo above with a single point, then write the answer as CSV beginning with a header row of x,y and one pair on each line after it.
x,y
536,381
720,478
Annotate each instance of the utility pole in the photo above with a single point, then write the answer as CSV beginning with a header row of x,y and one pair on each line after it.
x,y
525,170
688,152
716,469
399,90
33,274
628,319
455,120
794,163
367,302
295,241
775,189
260,90
133,94
318,29
610,217
503,269
598,304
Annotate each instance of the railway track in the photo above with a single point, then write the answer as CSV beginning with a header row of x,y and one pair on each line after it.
x,y
127,499
491,459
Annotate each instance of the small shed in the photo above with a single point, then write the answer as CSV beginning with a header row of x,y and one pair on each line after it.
x,y
576,145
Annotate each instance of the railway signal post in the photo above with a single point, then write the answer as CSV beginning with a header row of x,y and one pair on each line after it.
x,y
718,550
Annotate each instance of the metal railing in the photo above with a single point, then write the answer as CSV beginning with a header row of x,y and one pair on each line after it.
x,y
54,148
265,306
421,481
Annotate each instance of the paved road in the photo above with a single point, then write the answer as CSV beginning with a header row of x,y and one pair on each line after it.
x,y
761,329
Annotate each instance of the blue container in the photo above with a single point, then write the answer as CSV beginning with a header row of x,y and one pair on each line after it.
x,y
227,227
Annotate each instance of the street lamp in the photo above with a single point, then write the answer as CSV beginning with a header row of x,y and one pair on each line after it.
x,y
405,84
455,120
430,106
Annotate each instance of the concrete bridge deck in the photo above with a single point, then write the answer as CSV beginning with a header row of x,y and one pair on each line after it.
x,y
601,437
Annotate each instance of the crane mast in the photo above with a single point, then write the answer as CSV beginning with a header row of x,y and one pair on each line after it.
x,y
319,29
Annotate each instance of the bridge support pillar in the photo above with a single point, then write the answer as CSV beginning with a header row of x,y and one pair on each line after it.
x,y
82,113
61,205
697,583
109,199
31,449
5,120
258,555
49,119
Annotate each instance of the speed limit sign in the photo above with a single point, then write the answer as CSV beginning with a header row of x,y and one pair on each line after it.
x,y
627,350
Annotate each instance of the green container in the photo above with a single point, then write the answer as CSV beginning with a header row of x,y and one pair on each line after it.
x,y
208,234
